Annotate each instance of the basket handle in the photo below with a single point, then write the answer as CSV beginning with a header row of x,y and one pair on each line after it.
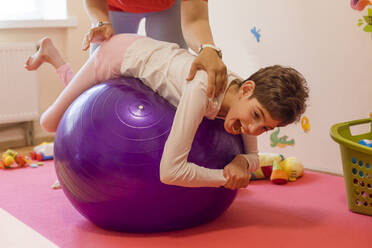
x,y
357,122
345,128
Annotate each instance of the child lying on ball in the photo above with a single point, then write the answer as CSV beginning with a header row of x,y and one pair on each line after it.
x,y
271,97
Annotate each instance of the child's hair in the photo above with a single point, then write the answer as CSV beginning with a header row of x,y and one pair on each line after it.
x,y
282,91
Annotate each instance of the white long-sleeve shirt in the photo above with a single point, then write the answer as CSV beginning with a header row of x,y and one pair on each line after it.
x,y
164,68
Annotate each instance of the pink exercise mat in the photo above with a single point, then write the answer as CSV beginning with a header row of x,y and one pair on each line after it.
x,y
311,212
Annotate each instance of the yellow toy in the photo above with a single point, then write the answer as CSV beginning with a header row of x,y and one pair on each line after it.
x,y
293,167
278,175
8,161
266,165
278,169
11,159
267,159
305,124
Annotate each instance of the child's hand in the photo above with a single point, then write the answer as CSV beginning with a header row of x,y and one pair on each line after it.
x,y
236,173
97,35
209,61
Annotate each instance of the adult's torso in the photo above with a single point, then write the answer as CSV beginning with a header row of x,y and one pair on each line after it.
x,y
139,6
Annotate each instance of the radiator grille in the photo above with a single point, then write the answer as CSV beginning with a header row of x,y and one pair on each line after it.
x,y
19,89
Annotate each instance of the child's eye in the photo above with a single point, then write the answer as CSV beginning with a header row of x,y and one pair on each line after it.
x,y
256,115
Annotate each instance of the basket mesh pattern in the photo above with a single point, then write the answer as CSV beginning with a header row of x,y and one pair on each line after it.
x,y
358,180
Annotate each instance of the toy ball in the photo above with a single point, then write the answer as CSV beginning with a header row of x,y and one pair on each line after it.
x,y
8,161
21,160
108,149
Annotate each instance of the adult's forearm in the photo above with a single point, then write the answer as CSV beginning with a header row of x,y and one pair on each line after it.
x,y
97,10
195,24
196,34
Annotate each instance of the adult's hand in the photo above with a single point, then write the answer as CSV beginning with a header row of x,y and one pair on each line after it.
x,y
209,61
97,35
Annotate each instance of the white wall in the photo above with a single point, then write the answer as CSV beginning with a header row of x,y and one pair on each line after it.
x,y
68,41
321,39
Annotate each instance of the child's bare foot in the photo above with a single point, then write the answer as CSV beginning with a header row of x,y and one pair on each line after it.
x,y
47,52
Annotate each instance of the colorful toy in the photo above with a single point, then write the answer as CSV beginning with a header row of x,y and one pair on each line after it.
x,y
365,142
291,166
34,165
42,152
278,175
266,165
11,159
21,160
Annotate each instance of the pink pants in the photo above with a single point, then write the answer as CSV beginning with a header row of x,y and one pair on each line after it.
x,y
103,65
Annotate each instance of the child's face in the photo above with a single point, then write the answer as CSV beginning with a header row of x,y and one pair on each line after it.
x,y
247,115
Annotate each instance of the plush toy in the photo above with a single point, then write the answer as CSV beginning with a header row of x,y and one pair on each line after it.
x,y
12,159
278,175
293,167
273,166
266,165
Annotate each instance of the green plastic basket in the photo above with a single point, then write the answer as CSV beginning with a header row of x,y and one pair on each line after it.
x,y
357,163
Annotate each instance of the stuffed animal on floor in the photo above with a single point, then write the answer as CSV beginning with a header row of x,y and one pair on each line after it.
x,y
293,167
278,169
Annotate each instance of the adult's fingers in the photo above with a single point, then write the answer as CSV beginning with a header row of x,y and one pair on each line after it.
x,y
219,84
87,40
223,82
211,84
108,32
193,70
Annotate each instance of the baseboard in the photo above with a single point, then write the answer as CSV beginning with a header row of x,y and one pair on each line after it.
x,y
22,142
325,172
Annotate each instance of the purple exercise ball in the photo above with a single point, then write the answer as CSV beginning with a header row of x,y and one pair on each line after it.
x,y
108,148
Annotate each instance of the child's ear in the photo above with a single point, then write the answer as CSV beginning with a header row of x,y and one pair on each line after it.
x,y
246,90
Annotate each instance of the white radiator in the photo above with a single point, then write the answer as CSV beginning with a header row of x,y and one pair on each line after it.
x,y
19,88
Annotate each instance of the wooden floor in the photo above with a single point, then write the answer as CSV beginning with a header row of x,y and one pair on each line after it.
x,y
22,150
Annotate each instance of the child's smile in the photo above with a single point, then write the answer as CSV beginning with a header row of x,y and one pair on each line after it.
x,y
249,117
237,127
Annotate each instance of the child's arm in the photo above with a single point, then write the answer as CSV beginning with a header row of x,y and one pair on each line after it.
x,y
251,152
174,167
238,171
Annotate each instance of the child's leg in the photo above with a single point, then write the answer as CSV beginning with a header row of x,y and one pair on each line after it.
x,y
104,64
83,80
48,53
65,73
